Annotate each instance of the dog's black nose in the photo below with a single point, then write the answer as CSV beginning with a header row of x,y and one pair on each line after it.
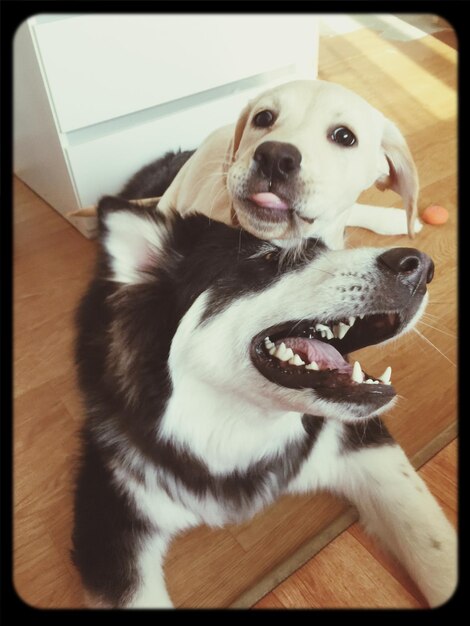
x,y
277,160
411,266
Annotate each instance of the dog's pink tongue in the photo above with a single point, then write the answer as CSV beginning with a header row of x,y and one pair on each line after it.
x,y
322,353
267,200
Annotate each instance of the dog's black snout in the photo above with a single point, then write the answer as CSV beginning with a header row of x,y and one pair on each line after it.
x,y
409,265
276,159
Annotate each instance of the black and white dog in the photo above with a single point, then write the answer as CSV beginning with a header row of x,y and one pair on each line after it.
x,y
215,375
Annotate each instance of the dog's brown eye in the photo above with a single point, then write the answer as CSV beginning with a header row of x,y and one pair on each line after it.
x,y
343,136
263,119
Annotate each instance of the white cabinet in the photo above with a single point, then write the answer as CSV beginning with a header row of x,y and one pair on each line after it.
x,y
98,96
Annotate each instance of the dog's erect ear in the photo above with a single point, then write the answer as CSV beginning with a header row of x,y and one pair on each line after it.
x,y
402,176
238,134
133,237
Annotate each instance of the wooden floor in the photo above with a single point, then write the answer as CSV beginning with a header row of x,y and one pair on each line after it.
x,y
412,82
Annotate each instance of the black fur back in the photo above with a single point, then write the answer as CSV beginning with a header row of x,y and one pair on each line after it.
x,y
154,179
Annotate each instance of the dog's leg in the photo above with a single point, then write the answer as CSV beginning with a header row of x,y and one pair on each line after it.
x,y
380,219
396,506
151,592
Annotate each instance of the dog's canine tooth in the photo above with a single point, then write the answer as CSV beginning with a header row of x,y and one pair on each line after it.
x,y
357,375
386,376
296,360
342,330
312,366
351,321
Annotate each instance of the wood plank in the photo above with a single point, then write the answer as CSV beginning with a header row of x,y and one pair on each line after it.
x,y
347,570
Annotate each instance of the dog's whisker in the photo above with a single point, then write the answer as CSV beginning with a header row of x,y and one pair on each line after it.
x,y
434,346
439,330
216,197
297,323
224,160
240,231
434,317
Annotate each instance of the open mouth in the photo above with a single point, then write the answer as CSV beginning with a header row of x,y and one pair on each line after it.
x,y
314,354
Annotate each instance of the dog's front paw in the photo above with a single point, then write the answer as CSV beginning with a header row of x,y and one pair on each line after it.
x,y
442,570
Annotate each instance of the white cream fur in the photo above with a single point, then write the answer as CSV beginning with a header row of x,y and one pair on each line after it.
x,y
213,179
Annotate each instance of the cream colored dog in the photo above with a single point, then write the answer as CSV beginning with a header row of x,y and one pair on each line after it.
x,y
294,165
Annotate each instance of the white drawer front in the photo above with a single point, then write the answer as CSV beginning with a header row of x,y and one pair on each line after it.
x,y
99,67
103,165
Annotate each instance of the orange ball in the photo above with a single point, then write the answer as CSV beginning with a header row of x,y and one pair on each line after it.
x,y
435,214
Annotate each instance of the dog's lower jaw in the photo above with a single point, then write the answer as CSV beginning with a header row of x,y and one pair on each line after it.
x,y
294,227
262,228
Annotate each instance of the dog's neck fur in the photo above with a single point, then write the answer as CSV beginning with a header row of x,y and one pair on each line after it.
x,y
235,431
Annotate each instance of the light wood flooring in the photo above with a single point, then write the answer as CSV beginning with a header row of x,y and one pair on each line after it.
x,y
414,83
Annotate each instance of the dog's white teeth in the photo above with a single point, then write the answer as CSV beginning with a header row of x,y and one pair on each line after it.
x,y
312,366
357,375
282,353
325,331
288,354
351,321
268,343
342,330
278,351
369,381
296,360
386,377
361,317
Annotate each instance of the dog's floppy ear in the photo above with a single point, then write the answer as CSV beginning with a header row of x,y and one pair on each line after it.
x,y
238,134
403,176
133,237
